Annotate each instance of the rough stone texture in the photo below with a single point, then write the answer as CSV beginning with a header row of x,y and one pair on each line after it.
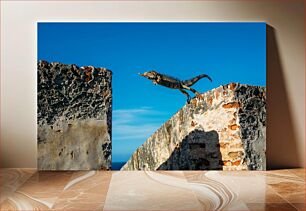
x,y
225,130
74,117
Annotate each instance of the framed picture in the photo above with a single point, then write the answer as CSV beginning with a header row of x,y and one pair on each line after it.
x,y
152,96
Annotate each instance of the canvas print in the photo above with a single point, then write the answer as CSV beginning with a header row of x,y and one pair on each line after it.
x,y
152,96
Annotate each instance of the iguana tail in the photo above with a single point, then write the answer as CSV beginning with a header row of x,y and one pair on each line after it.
x,y
192,81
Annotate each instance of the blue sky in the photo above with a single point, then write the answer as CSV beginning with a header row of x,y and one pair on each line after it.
x,y
228,52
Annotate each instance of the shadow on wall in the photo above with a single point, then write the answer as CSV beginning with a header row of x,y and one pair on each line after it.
x,y
199,150
281,141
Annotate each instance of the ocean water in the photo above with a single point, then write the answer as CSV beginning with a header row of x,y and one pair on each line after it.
x,y
117,165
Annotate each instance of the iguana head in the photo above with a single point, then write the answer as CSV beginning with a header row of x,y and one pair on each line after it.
x,y
151,75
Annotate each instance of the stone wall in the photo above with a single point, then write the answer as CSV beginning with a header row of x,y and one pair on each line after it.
x,y
74,117
226,130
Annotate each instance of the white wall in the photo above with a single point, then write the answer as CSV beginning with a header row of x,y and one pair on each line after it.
x,y
286,65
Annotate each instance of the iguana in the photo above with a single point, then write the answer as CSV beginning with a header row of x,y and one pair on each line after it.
x,y
174,83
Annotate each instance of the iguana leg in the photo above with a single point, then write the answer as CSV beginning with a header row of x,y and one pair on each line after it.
x,y
156,81
193,90
185,93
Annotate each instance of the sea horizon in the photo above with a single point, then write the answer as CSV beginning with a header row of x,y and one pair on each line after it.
x,y
117,165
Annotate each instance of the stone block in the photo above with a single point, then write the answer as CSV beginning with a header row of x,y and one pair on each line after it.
x,y
226,130
74,117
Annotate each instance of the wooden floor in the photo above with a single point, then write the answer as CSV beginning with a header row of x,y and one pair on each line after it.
x,y
28,189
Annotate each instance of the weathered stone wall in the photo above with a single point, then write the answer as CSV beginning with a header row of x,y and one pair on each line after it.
x,y
225,130
74,117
